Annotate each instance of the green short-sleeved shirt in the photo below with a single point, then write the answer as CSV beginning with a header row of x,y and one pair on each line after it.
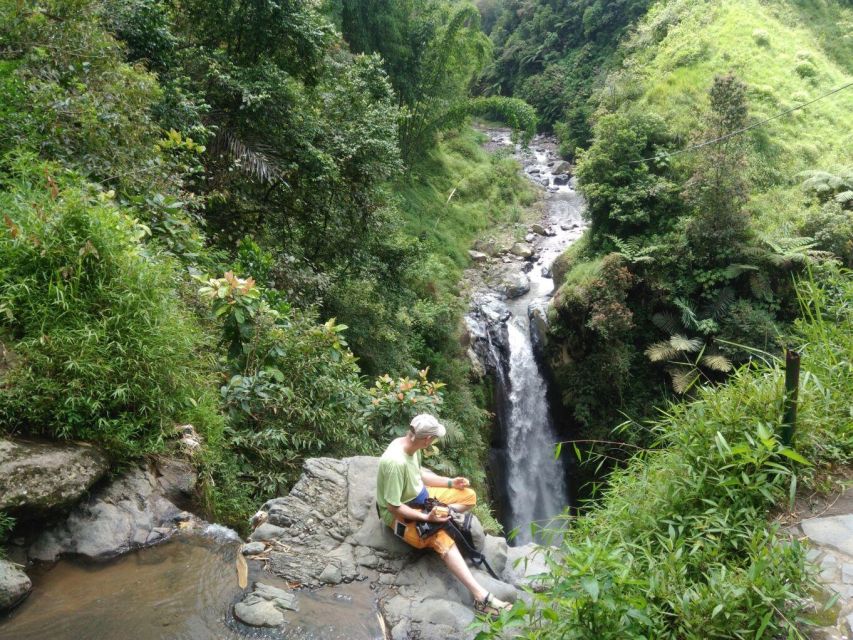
x,y
398,479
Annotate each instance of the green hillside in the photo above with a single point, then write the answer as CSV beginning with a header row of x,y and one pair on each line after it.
x,y
787,53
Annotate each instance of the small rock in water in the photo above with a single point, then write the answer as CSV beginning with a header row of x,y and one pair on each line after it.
x,y
562,179
253,548
529,237
477,256
522,250
565,226
539,229
546,272
219,532
527,267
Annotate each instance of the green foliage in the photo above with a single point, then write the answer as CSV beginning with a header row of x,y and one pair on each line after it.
x,y
718,188
432,51
396,402
73,98
551,55
679,545
292,390
106,350
626,193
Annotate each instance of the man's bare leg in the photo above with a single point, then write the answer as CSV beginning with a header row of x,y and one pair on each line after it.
x,y
456,563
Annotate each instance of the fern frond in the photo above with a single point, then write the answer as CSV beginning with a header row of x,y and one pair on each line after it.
x,y
734,270
759,284
721,303
661,351
667,322
844,197
683,343
717,362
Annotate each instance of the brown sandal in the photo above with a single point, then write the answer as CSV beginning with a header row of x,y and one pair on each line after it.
x,y
490,605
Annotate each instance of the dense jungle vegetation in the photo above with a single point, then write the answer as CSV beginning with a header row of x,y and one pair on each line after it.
x,y
253,217
223,214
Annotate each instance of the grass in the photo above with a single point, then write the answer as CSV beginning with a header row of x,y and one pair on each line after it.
x,y
680,46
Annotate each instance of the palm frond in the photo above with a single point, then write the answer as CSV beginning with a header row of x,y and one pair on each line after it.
x,y
688,314
683,378
661,351
759,284
251,161
683,343
721,303
667,322
717,362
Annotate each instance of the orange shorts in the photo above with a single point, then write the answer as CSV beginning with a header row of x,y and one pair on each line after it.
x,y
440,542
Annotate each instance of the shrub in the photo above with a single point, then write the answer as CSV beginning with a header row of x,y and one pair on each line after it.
x,y
106,350
293,388
761,37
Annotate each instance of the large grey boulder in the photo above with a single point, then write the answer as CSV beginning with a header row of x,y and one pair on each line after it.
x,y
522,250
131,512
514,284
37,478
14,585
326,531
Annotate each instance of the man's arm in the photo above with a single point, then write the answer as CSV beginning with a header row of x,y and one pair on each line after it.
x,y
405,512
434,480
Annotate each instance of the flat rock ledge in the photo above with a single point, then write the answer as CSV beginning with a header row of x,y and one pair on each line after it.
x,y
265,606
831,542
327,532
36,478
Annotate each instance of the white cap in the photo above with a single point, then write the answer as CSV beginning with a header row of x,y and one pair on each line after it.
x,y
424,424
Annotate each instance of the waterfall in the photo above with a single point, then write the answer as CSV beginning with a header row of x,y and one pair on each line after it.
x,y
529,482
536,483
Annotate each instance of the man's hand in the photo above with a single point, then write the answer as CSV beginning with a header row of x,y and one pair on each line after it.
x,y
434,516
461,483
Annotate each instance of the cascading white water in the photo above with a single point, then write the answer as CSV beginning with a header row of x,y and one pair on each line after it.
x,y
535,478
532,481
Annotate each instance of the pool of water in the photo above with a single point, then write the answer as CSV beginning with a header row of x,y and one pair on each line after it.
x,y
181,590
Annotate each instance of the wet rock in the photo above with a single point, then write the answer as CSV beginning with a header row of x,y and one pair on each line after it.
x,y
546,272
14,585
562,167
529,237
478,370
129,513
562,179
253,548
514,285
539,229
37,478
265,606
522,250
477,256
527,267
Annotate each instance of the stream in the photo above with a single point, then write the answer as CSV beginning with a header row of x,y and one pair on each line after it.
x,y
531,484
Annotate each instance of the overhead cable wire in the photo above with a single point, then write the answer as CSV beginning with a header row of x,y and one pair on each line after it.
x,y
744,129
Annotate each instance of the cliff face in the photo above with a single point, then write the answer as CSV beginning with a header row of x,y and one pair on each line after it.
x,y
327,532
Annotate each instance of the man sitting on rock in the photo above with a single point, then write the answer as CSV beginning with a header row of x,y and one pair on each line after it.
x,y
402,488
